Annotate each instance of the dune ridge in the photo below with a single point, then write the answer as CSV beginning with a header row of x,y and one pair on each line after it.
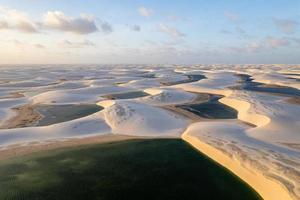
x,y
267,188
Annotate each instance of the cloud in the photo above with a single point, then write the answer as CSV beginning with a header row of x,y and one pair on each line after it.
x,y
106,27
134,27
232,16
26,45
276,42
57,20
224,31
170,31
26,27
17,43
286,25
80,44
39,46
295,40
262,45
145,12
3,25
254,47
251,47
240,30
11,19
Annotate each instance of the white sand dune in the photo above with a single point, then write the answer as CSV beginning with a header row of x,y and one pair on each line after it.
x,y
224,142
141,84
82,95
163,96
266,154
276,79
131,118
275,123
87,126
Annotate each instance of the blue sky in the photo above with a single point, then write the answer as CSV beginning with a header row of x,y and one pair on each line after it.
x,y
183,32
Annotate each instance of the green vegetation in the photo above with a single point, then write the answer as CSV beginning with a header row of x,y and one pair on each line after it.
x,y
133,169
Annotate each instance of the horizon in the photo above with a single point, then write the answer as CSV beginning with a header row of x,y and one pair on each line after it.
x,y
149,32
148,64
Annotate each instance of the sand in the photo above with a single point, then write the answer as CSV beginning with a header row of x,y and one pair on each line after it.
x,y
25,116
25,149
273,138
294,100
268,189
13,95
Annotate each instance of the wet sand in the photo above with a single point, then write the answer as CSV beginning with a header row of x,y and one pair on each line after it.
x,y
20,150
43,115
295,146
294,100
25,116
13,95
201,98
204,107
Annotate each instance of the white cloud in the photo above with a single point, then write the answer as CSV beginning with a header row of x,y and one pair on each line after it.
x,y
11,19
253,47
258,46
170,31
145,12
26,26
286,25
80,44
57,20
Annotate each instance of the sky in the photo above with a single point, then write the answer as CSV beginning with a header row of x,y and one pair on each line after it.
x,y
150,32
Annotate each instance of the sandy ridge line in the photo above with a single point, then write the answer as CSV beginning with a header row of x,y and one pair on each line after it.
x,y
259,182
33,147
268,189
243,107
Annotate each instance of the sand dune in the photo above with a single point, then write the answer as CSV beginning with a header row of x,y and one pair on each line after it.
x,y
262,146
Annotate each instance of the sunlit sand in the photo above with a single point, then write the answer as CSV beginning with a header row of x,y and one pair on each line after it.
x,y
253,133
